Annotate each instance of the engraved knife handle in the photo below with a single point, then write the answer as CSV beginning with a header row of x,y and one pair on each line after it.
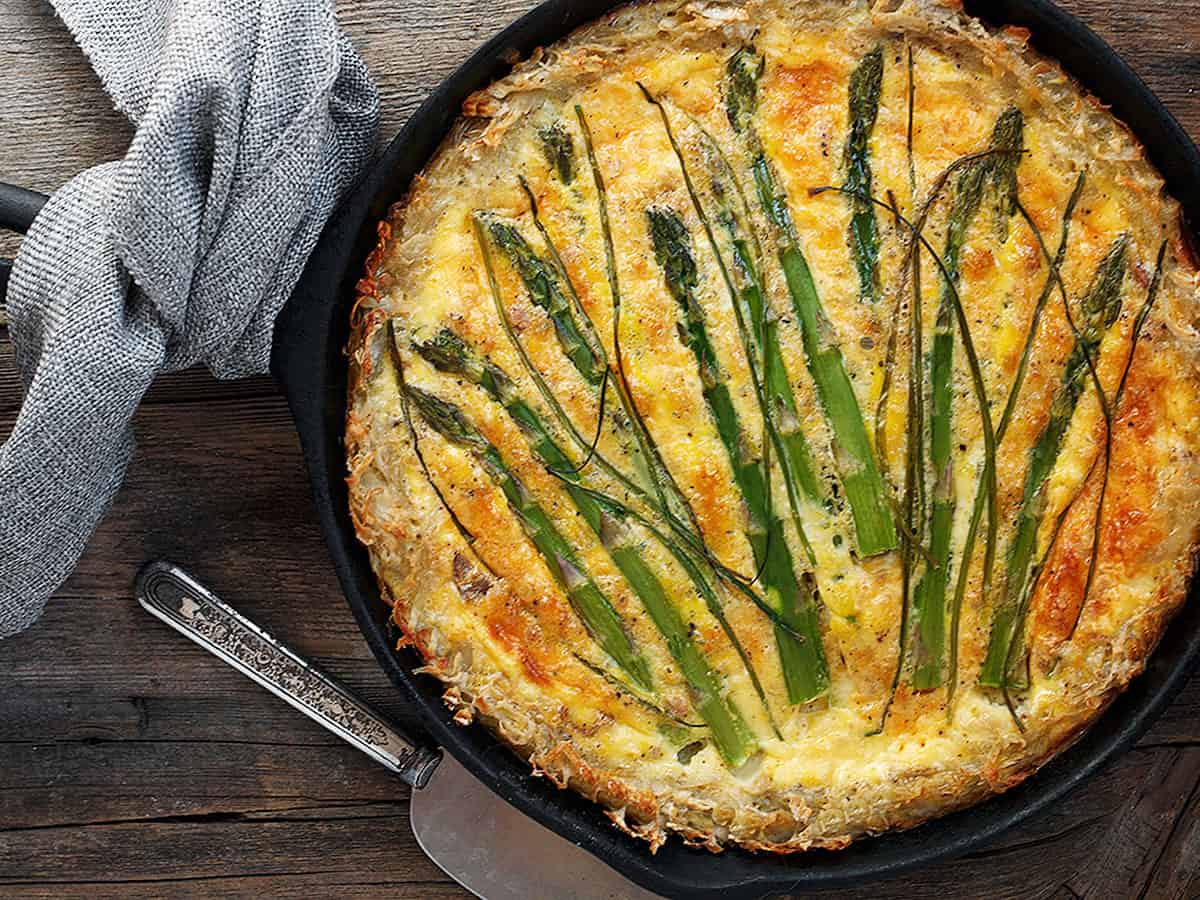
x,y
170,594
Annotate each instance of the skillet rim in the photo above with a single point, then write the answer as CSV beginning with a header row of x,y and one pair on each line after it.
x,y
308,360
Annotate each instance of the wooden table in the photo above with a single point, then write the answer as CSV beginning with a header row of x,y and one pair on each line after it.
x,y
133,764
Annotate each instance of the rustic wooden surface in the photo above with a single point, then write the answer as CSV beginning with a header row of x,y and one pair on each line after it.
x,y
133,764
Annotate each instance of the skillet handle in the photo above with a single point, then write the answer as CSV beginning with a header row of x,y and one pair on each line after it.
x,y
170,594
18,208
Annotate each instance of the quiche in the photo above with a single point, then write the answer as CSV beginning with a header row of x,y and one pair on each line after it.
x,y
777,420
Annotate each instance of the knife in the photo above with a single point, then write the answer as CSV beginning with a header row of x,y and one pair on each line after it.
x,y
489,847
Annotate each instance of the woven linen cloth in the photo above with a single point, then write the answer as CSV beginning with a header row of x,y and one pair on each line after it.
x,y
252,118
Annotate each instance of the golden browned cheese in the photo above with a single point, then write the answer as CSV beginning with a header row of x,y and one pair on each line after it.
x,y
492,619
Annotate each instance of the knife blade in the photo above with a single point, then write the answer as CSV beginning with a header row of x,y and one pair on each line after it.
x,y
497,852
487,846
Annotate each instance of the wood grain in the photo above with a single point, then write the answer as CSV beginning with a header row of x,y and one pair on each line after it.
x,y
134,765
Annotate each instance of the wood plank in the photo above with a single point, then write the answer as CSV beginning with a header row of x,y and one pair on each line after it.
x,y
302,886
350,847
56,119
1125,862
186,386
1176,872
134,765
1180,722
1071,833
445,34
1160,40
181,780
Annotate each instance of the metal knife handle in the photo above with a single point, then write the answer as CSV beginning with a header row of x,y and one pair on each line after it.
x,y
170,594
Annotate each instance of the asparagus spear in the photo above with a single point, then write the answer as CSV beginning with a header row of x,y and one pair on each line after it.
x,y
805,670
1014,391
759,331
1098,309
798,466
669,491
866,84
463,531
586,598
979,388
697,559
550,287
853,454
637,489
559,150
686,532
449,353
994,174
673,250
1138,323
571,325
914,498
1109,410
912,506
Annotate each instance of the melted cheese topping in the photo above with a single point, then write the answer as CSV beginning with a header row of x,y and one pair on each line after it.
x,y
492,618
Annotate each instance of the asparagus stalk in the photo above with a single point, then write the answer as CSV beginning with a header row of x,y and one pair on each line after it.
x,y
960,589
697,559
1106,411
1109,411
759,331
463,531
586,598
1039,307
915,487
804,667
913,500
673,250
449,353
669,491
908,140
1139,323
853,454
979,388
912,504
559,150
571,325
634,487
798,466
994,174
686,532
550,287
1098,309
866,84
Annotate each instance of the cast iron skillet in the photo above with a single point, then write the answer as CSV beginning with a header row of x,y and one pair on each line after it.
x,y
310,365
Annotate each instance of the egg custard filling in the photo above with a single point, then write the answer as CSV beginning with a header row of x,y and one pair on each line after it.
x,y
777,420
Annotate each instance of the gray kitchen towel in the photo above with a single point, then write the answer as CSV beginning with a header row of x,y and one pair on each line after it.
x,y
252,118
